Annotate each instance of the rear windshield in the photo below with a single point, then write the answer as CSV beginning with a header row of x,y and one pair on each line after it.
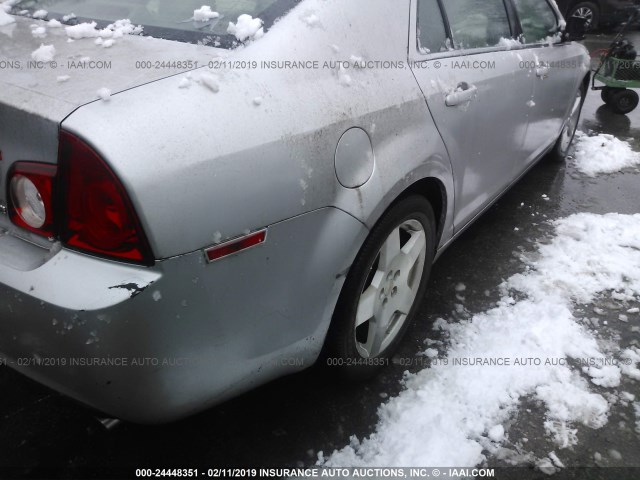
x,y
191,21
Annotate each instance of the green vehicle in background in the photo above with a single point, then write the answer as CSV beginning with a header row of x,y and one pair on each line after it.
x,y
619,72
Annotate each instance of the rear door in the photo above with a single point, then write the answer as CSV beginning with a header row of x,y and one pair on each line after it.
x,y
468,67
557,69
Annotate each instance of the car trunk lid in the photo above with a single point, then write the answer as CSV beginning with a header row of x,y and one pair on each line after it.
x,y
36,94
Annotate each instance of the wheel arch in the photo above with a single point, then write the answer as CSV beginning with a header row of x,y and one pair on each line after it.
x,y
435,192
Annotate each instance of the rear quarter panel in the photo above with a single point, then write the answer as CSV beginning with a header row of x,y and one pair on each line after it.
x,y
203,165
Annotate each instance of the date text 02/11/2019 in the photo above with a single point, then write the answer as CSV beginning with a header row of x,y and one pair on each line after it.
x,y
319,472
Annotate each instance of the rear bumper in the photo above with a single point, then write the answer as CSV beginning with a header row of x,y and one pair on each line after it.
x,y
155,344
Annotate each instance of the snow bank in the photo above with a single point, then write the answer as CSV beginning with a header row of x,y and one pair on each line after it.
x,y
452,413
246,27
603,154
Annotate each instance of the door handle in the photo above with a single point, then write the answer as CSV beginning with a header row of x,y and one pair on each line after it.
x,y
542,72
463,94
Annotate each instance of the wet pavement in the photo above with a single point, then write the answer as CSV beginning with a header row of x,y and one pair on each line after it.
x,y
285,423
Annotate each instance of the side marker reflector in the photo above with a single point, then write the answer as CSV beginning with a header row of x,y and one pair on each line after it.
x,y
235,246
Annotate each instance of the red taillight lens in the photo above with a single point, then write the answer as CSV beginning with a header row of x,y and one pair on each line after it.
x,y
98,216
31,196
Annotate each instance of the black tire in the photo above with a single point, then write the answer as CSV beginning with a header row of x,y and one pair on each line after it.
x,y
606,93
563,144
623,101
342,345
588,10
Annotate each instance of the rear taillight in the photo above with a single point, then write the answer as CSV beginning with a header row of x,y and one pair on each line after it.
x,y
31,194
97,216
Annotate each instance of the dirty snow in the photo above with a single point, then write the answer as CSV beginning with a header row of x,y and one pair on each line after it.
x,y
204,14
44,53
246,27
603,154
450,415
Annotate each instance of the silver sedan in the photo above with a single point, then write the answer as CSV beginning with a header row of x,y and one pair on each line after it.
x,y
199,199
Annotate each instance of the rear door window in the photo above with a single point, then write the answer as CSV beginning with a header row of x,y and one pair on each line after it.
x,y
432,33
537,19
477,23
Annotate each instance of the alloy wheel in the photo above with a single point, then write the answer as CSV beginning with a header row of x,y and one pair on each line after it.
x,y
586,14
390,289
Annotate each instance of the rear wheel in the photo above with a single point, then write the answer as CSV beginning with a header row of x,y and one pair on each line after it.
x,y
588,12
383,290
561,148
623,101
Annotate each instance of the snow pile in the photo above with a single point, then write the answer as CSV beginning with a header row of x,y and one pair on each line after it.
x,y
40,14
246,27
204,14
5,18
118,29
592,253
44,54
53,23
632,359
603,154
451,413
